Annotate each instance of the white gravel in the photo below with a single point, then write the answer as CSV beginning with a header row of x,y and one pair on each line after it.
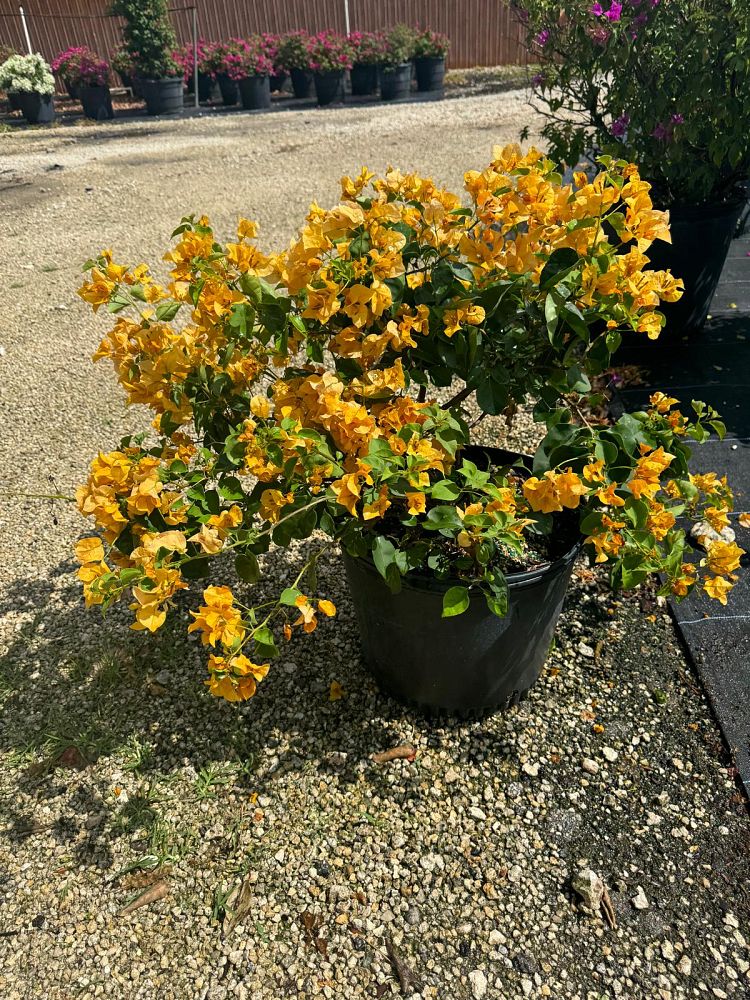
x,y
115,760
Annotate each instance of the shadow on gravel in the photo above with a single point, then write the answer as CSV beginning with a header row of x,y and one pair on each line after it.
x,y
76,686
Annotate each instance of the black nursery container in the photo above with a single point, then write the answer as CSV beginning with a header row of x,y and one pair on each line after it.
x,y
430,72
395,82
469,664
255,93
96,102
162,97
38,109
701,236
278,81
364,79
329,87
302,83
205,86
230,92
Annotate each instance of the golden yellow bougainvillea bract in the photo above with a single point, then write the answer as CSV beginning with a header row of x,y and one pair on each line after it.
x,y
296,392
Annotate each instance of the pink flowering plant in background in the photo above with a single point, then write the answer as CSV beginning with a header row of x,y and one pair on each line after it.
x,y
662,83
184,58
68,63
367,47
329,52
251,58
224,57
293,51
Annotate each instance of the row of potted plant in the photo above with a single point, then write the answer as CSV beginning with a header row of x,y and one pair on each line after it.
x,y
245,69
249,69
29,83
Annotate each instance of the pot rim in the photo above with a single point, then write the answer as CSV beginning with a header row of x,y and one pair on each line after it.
x,y
516,581
694,212
521,578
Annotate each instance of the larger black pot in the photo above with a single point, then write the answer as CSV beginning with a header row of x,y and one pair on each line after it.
x,y
230,92
302,82
395,82
470,663
162,97
430,72
701,236
38,109
255,92
364,79
329,87
96,102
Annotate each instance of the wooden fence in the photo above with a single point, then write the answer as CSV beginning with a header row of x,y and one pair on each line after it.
x,y
482,32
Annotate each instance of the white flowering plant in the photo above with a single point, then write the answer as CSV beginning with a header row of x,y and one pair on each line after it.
x,y
26,74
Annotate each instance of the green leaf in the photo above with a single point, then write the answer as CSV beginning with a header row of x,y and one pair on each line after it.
x,y
560,262
265,642
289,596
383,555
575,319
247,566
444,489
167,310
455,601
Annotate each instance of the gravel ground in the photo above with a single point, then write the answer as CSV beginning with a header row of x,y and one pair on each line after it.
x,y
119,772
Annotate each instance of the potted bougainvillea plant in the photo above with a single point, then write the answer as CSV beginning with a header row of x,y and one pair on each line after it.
x,y
395,72
667,85
150,38
30,85
430,52
90,77
367,54
252,71
223,60
66,64
185,59
330,56
318,393
293,56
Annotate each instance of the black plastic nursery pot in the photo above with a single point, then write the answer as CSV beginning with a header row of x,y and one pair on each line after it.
x,y
470,664
395,82
72,89
329,87
701,235
96,102
255,93
278,82
162,97
205,86
38,109
230,92
430,72
364,79
14,100
302,82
